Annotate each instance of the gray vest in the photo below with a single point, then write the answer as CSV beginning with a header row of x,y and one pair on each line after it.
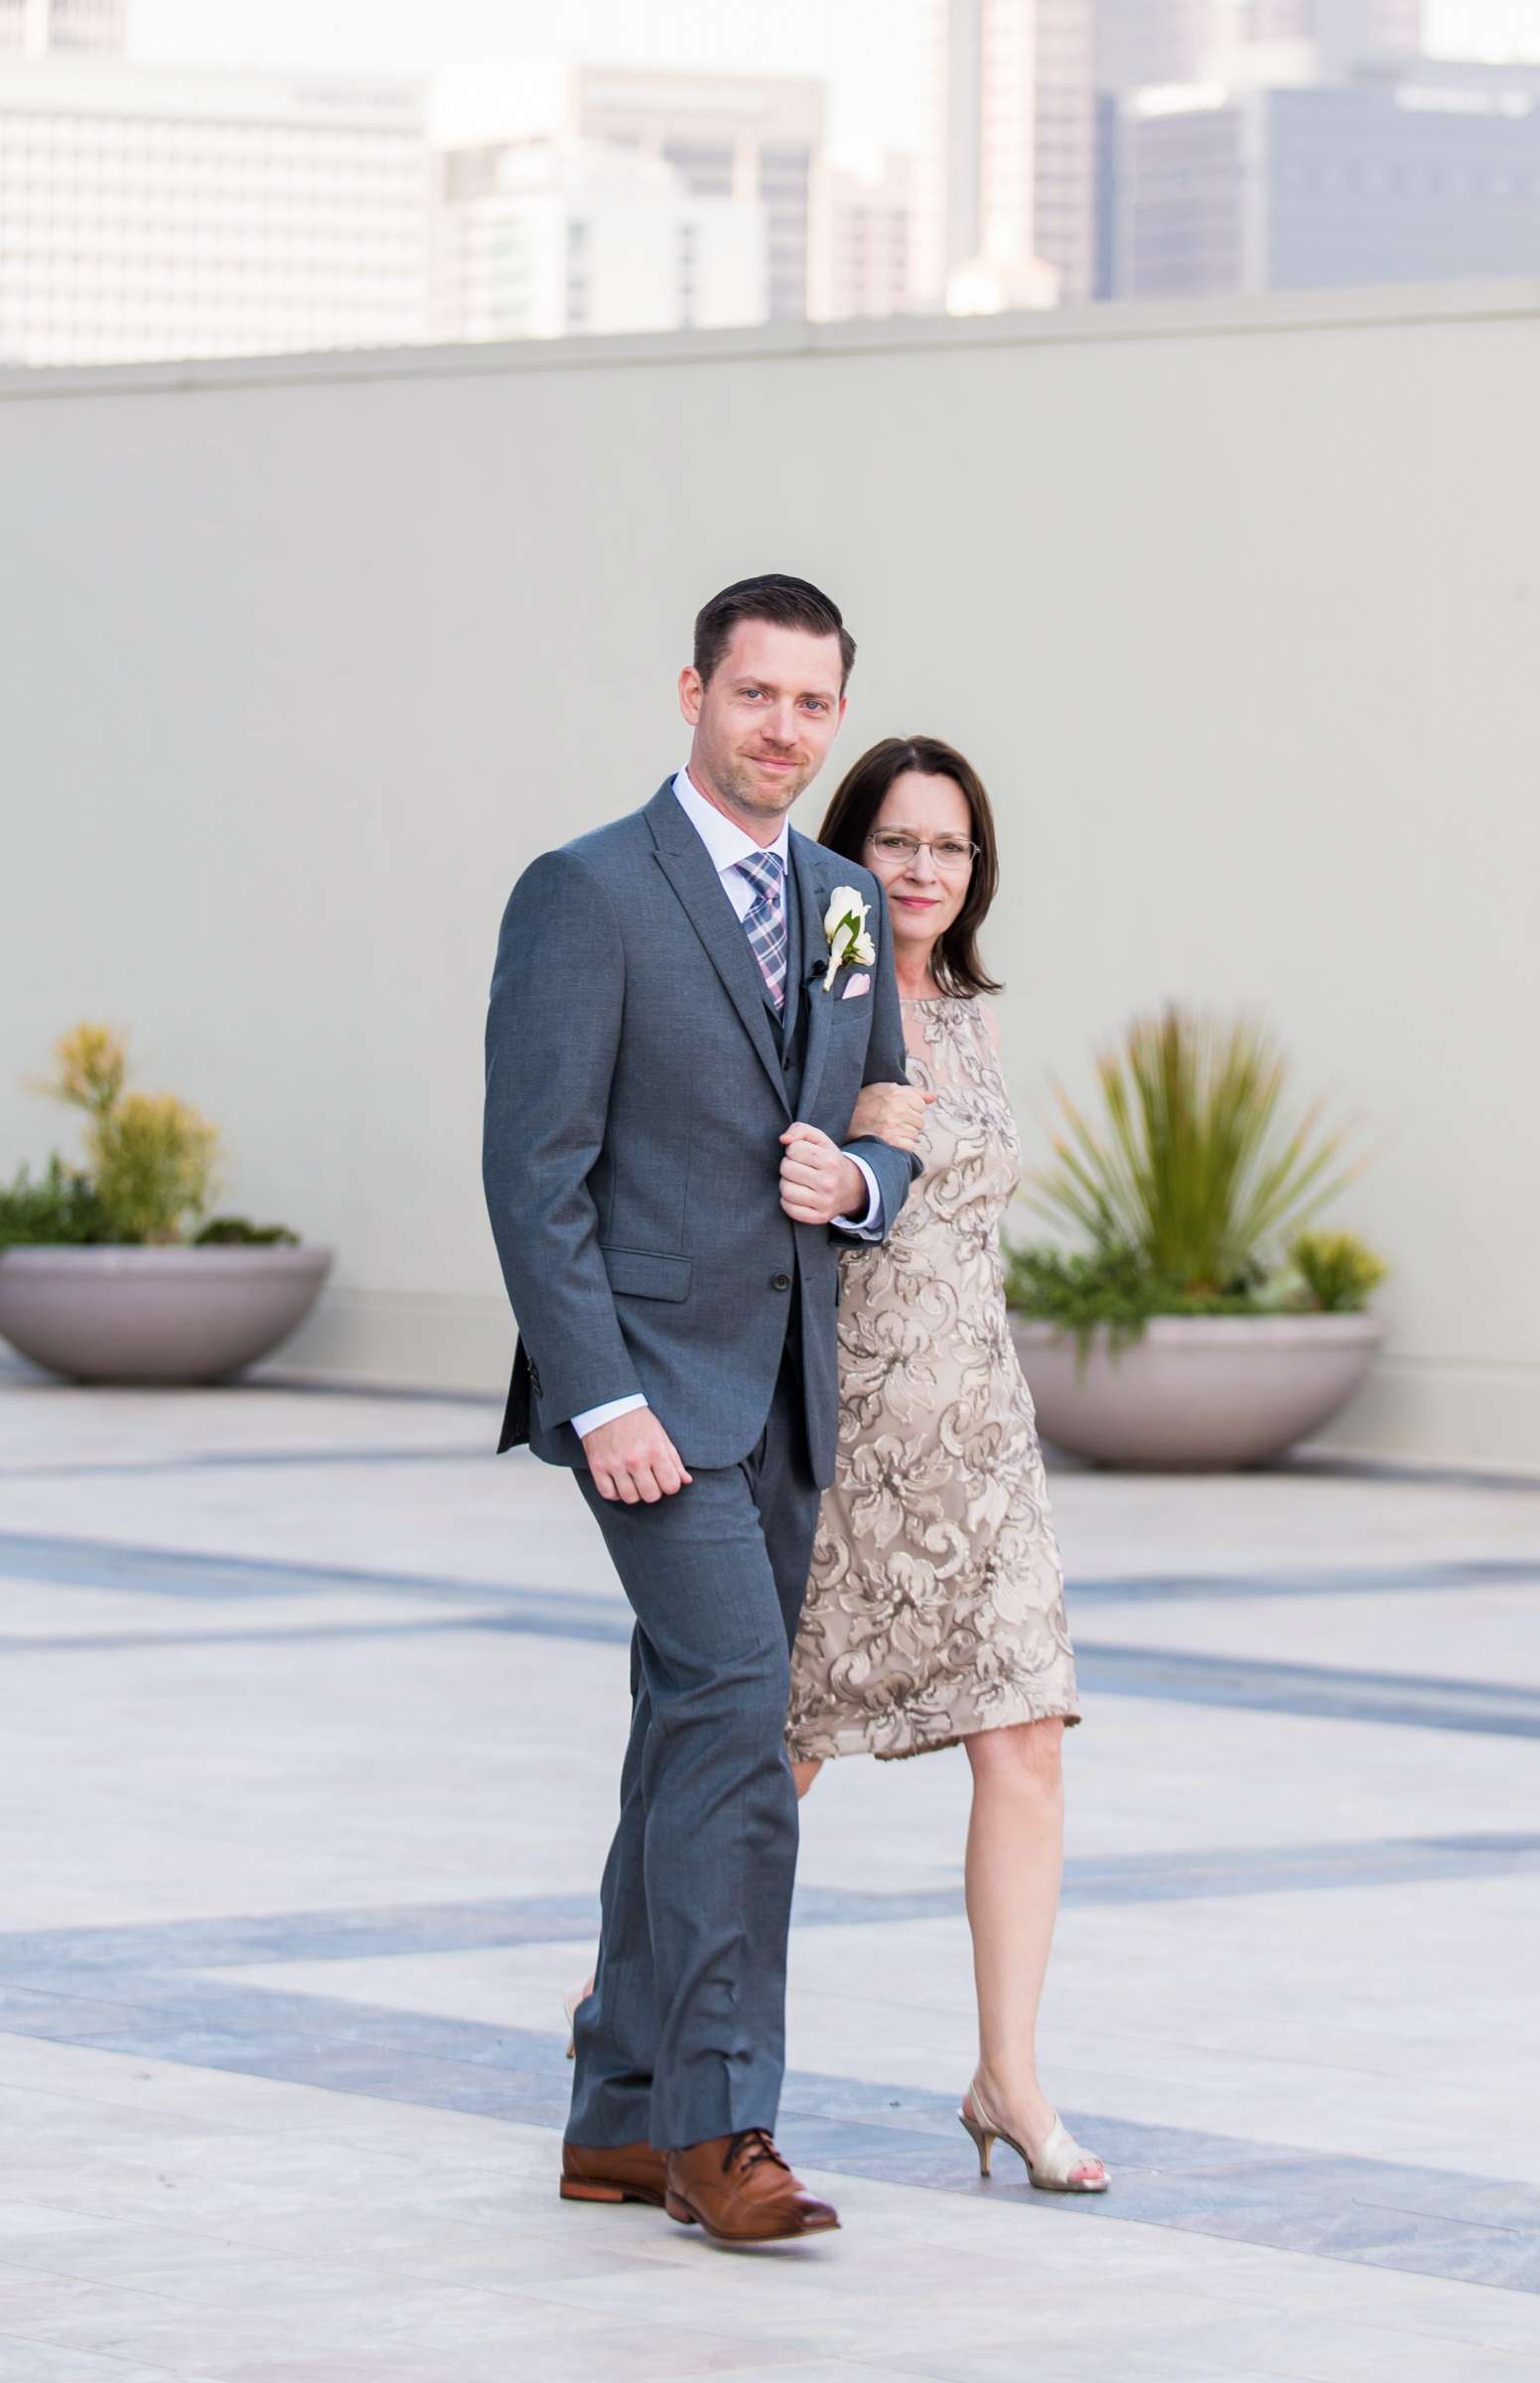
x,y
792,1044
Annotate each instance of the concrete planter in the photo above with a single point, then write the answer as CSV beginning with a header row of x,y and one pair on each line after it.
x,y
1197,1393
155,1315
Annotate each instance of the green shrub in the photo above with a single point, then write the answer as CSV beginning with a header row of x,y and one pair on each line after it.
x,y
61,1208
238,1232
1338,1269
152,1162
1111,1288
151,1156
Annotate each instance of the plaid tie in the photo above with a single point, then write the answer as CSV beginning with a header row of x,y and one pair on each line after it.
x,y
765,924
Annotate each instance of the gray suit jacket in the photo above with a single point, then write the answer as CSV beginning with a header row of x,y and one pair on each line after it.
x,y
635,1097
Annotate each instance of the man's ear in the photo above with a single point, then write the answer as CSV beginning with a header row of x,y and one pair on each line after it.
x,y
692,693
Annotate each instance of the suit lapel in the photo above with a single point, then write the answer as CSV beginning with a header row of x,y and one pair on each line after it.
x,y
814,884
688,867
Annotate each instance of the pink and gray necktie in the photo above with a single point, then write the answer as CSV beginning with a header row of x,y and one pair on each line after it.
x,y
766,924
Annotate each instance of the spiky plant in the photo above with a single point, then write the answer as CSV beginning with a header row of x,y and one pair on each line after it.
x,y
1192,1163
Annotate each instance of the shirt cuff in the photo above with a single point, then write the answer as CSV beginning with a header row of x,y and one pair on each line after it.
x,y
870,1226
592,1417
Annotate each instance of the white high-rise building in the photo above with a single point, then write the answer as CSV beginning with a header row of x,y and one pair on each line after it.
x,y
547,239
1148,43
34,27
171,212
1064,143
863,259
1008,177
749,137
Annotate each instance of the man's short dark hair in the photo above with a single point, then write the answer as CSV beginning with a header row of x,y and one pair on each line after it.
x,y
787,602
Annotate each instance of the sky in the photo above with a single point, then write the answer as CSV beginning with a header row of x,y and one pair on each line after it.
x,y
875,43
869,50
1479,28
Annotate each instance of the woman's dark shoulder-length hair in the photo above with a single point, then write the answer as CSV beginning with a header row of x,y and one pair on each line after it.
x,y
957,964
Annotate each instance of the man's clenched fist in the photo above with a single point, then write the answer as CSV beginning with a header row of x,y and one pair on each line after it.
x,y
817,1181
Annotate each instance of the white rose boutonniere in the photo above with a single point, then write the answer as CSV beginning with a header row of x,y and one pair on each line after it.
x,y
845,931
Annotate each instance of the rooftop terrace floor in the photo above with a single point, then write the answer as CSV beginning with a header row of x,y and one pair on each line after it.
x,y
312,1715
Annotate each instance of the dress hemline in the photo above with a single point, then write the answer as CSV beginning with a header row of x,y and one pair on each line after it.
x,y
846,1742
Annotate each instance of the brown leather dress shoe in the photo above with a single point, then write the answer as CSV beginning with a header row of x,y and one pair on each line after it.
x,y
626,2171
739,2187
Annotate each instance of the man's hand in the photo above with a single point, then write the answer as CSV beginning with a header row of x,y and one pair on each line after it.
x,y
892,1113
817,1181
633,1459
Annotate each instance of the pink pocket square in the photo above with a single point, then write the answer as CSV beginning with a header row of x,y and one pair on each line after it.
x,y
855,985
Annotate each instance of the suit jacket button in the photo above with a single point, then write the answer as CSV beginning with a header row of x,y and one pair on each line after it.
x,y
781,1282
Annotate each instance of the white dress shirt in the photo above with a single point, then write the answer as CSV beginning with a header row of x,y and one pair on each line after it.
x,y
728,844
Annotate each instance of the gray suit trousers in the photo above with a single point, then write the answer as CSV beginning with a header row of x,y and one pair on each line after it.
x,y
684,2036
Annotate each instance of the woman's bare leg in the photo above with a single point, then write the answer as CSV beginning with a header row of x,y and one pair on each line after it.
x,y
1014,1863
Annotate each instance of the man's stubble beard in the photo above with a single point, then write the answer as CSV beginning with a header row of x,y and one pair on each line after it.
x,y
740,787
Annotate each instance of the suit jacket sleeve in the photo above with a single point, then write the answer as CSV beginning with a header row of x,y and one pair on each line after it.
x,y
552,1031
887,1063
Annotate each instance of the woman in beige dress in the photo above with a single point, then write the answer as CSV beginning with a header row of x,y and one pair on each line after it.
x,y
935,1612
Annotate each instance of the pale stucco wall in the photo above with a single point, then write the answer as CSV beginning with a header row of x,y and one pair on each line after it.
x,y
1235,606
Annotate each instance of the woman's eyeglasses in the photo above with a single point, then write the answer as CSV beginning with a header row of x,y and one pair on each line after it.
x,y
950,854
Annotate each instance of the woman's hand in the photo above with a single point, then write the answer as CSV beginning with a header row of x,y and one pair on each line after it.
x,y
892,1113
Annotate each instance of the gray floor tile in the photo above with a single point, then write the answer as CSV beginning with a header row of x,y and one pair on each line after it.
x,y
310,1850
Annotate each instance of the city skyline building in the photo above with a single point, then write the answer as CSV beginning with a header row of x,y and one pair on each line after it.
x,y
1008,174
557,238
1065,138
741,136
1365,24
1072,151
1147,43
1311,40
170,211
37,28
863,262
1152,42
1410,171
756,138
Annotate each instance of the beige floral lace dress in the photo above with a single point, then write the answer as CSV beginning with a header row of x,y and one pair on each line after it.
x,y
936,1606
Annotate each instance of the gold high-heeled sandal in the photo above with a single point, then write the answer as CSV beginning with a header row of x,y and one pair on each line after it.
x,y
1054,2168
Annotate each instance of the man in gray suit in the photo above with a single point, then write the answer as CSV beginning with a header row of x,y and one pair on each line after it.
x,y
685,1004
